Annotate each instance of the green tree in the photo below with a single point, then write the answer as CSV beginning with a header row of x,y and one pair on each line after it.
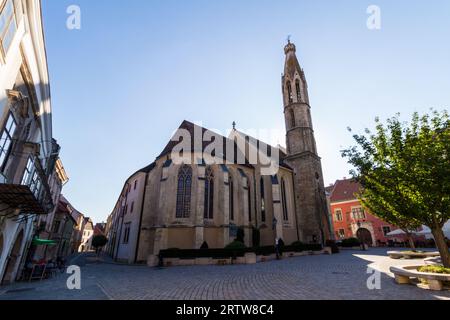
x,y
99,241
404,170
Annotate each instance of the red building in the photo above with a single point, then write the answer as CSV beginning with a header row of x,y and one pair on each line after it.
x,y
349,218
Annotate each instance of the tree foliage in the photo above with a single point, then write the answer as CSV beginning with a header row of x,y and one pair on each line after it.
x,y
99,241
404,170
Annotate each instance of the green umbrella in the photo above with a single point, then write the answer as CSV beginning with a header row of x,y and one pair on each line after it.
x,y
43,242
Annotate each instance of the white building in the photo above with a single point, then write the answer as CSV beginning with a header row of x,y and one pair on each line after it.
x,y
28,152
86,236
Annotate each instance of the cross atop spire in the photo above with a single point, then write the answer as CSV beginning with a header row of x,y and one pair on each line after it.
x,y
234,125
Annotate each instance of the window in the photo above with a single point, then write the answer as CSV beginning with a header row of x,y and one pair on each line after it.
x,y
263,205
291,112
297,88
184,192
6,137
284,202
386,230
289,88
31,177
358,213
132,207
135,184
341,233
338,215
209,194
230,181
126,233
7,25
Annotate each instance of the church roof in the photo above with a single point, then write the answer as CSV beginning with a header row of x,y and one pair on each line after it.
x,y
192,129
345,190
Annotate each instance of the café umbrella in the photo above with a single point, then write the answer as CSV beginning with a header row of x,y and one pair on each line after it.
x,y
44,242
400,232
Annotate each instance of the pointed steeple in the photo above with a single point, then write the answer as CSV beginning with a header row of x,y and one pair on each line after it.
x,y
295,88
291,65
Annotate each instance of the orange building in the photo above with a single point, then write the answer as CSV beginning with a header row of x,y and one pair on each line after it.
x,y
349,218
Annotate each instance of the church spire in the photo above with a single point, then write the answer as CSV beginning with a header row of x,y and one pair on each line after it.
x,y
291,65
295,89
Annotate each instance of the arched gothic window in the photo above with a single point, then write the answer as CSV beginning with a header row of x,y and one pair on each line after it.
x,y
297,88
284,202
209,194
231,197
263,204
289,88
184,192
291,112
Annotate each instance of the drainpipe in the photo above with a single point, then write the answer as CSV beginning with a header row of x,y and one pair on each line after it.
x,y
140,219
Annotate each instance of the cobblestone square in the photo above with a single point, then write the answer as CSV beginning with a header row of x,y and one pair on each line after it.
x,y
341,277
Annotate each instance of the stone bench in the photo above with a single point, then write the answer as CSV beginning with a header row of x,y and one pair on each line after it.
x,y
435,281
411,255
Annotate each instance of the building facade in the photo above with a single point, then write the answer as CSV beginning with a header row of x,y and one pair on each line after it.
x,y
28,152
86,235
351,220
185,200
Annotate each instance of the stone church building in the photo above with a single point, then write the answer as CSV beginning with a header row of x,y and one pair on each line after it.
x,y
182,202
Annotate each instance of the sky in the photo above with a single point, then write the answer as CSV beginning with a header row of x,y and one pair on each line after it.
x,y
136,69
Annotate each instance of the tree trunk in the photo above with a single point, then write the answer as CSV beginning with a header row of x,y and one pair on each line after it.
x,y
439,238
411,241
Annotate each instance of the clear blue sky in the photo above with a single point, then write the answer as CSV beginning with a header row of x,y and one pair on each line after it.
x,y
136,69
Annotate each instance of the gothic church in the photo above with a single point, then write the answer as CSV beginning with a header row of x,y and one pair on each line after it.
x,y
183,205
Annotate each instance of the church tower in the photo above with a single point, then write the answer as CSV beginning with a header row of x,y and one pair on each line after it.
x,y
310,200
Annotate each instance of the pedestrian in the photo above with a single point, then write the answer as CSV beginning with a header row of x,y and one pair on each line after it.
x,y
160,260
277,248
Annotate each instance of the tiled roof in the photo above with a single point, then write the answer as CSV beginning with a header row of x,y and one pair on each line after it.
x,y
344,190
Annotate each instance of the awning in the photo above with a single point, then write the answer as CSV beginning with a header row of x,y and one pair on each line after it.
x,y
20,197
43,242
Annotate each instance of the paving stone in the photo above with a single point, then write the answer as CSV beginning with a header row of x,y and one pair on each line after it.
x,y
341,277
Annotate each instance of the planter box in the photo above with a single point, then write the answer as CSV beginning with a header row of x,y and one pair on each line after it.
x,y
268,258
239,260
222,262
350,248
169,262
250,258
435,281
203,261
186,262
152,261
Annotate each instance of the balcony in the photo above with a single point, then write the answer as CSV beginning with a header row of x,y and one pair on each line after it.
x,y
33,195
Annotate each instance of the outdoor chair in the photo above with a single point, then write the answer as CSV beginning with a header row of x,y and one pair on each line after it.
x,y
37,272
